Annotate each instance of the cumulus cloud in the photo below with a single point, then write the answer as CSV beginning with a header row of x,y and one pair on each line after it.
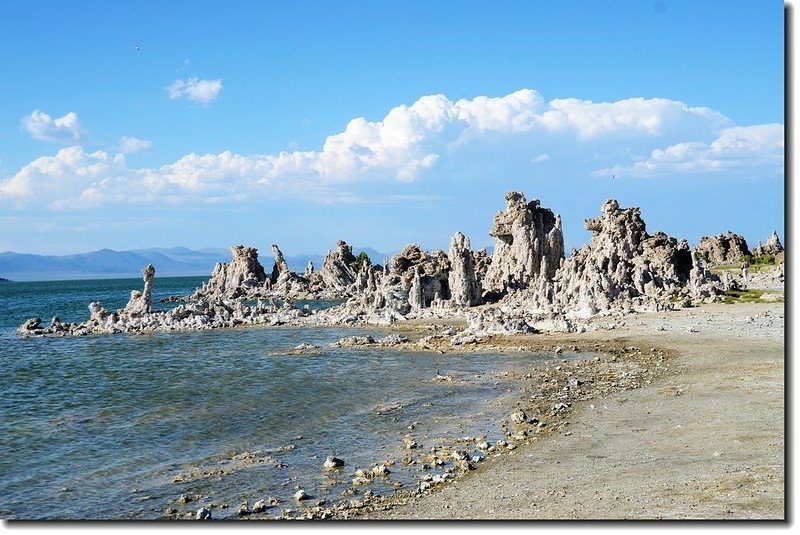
x,y
736,149
40,125
60,177
129,145
202,91
410,142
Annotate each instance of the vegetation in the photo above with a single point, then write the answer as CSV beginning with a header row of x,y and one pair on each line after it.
x,y
757,263
363,258
747,296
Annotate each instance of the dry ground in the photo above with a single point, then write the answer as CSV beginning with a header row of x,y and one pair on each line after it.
x,y
704,441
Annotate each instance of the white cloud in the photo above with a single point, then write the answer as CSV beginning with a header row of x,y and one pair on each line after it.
x,y
202,91
41,126
129,145
57,179
409,143
735,149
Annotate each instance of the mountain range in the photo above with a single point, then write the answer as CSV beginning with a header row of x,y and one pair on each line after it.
x,y
169,262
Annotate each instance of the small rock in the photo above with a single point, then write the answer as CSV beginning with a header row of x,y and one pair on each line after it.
x,y
243,510
460,455
203,513
301,495
519,416
333,462
380,470
260,506
185,498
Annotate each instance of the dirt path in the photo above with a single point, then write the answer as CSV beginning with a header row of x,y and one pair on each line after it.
x,y
706,441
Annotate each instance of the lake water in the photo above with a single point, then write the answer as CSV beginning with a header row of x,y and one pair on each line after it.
x,y
99,427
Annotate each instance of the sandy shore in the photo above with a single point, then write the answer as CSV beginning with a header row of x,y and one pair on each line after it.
x,y
703,440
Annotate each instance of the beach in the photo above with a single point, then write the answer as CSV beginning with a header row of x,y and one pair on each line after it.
x,y
704,440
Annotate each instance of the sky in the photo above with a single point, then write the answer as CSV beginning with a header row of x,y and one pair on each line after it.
x,y
138,124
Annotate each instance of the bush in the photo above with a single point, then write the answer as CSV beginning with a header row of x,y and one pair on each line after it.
x,y
764,260
363,258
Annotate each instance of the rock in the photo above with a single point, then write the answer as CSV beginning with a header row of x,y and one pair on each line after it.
x,y
460,455
243,510
184,498
354,341
519,416
529,245
622,269
260,506
31,325
203,513
773,246
465,290
728,248
235,279
301,495
333,462
339,268
140,303
380,470
416,296
392,340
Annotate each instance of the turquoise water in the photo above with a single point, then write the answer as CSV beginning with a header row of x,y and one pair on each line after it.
x,y
98,427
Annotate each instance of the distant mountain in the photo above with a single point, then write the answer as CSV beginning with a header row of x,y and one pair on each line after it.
x,y
107,263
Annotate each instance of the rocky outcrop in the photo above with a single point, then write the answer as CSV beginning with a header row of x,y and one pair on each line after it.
x,y
284,282
529,246
465,291
622,268
243,275
338,270
432,269
773,246
141,302
728,248
281,268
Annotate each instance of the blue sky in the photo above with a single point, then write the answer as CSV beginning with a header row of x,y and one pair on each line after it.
x,y
382,123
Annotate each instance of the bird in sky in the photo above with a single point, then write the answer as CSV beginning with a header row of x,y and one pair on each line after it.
x,y
136,46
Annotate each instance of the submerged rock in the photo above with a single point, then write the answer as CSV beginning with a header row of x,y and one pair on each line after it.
x,y
333,462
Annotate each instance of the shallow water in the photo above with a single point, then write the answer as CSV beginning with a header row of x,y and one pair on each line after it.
x,y
99,426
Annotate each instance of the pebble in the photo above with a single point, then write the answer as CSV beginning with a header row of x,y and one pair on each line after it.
x,y
301,495
203,513
260,506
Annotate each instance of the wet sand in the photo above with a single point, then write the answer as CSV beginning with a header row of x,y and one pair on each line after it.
x,y
703,440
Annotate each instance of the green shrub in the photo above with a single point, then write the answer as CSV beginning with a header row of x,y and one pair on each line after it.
x,y
363,258
763,260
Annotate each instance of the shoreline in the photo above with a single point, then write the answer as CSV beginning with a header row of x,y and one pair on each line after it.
x,y
703,441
